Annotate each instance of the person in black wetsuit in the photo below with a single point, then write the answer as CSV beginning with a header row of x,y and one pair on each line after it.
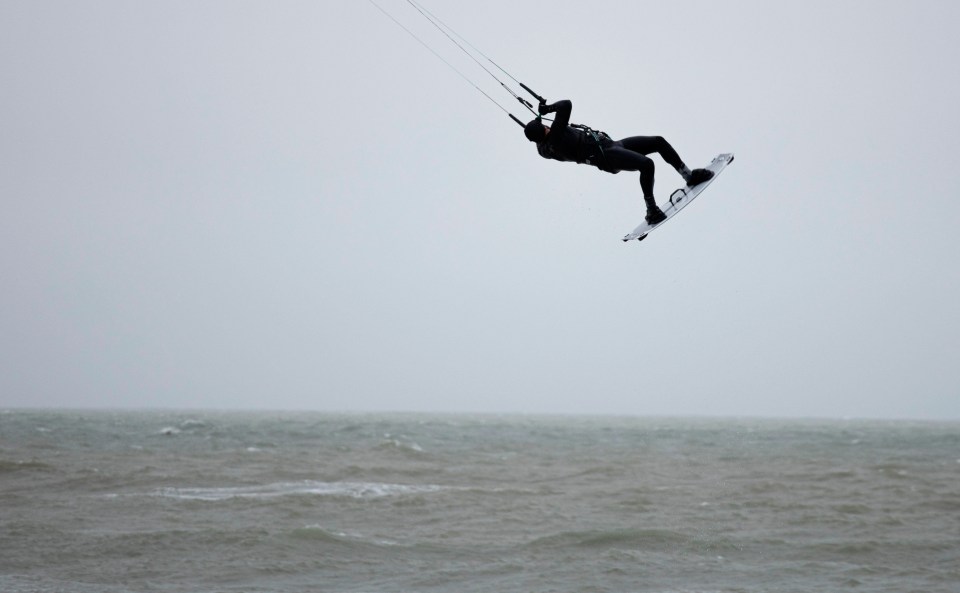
x,y
562,141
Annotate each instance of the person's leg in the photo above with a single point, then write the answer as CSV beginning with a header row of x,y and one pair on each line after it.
x,y
618,157
654,144
659,145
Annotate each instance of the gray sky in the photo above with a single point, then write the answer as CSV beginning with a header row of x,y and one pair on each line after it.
x,y
295,205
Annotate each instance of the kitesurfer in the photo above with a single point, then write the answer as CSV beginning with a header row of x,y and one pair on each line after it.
x,y
563,141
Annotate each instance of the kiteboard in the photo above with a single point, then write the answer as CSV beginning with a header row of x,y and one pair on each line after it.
x,y
680,198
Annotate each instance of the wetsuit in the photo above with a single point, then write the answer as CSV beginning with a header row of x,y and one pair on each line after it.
x,y
583,145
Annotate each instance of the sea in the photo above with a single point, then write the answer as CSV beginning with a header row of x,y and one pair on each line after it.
x,y
284,502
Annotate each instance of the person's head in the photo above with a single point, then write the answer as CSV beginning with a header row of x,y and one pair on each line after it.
x,y
535,131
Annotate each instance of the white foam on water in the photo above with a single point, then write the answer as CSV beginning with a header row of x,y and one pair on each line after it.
x,y
358,490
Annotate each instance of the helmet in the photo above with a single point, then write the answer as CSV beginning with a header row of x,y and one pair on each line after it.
x,y
534,131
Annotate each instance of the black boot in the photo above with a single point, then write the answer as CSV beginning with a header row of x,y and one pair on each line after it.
x,y
654,214
698,176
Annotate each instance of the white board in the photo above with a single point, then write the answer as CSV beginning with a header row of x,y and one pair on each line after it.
x,y
681,197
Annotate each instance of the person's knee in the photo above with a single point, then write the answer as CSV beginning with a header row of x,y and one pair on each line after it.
x,y
646,167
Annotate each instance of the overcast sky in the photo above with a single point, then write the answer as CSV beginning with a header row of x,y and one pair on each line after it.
x,y
295,205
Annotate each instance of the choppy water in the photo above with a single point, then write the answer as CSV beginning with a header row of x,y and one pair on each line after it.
x,y
259,502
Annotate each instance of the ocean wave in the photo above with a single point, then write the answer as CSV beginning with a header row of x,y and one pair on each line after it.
x,y
845,549
949,504
12,583
193,424
399,443
894,471
359,490
317,533
8,466
619,538
190,426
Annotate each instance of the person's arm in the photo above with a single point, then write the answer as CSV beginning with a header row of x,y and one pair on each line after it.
x,y
562,108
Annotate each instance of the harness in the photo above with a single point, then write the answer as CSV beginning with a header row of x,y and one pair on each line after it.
x,y
599,139
589,150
